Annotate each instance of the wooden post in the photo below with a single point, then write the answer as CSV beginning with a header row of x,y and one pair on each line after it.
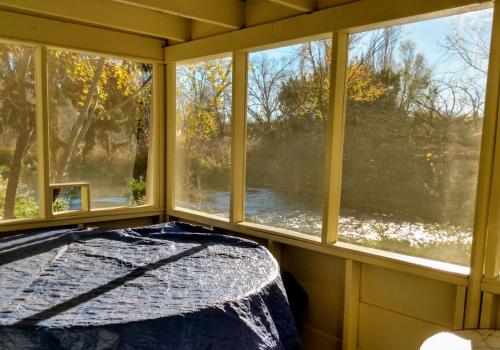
x,y
42,132
351,305
155,175
85,196
458,320
171,133
238,136
335,137
485,182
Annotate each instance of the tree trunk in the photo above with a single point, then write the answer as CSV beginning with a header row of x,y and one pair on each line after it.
x,y
78,128
21,143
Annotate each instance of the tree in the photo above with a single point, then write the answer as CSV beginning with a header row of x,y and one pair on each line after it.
x,y
415,78
17,113
264,82
203,117
110,102
94,102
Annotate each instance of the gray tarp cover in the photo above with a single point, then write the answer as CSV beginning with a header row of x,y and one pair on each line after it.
x,y
170,286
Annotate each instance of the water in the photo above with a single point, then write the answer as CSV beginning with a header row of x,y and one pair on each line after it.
x,y
264,206
102,195
440,241
106,202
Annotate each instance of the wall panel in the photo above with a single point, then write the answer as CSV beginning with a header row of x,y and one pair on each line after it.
x,y
381,329
312,339
322,277
415,296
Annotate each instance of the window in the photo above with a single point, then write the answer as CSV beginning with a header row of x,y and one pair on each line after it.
x,y
203,141
70,197
412,136
288,90
100,112
18,158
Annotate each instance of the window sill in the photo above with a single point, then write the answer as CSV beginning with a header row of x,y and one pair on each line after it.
x,y
80,217
491,285
437,270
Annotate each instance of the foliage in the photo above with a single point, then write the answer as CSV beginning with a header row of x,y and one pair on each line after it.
x,y
137,195
109,100
97,106
25,204
362,83
60,204
17,120
203,118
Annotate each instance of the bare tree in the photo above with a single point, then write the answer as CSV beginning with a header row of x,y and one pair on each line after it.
x,y
468,43
265,78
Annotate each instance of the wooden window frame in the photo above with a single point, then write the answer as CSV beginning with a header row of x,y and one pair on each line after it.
x,y
155,174
482,278
341,21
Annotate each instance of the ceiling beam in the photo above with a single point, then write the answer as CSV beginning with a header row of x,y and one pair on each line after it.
x,y
107,14
225,13
34,30
300,5
353,16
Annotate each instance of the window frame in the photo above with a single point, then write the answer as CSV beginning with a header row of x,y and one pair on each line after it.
x,y
46,217
350,18
172,135
179,54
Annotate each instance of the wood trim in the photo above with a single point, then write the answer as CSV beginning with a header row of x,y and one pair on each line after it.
x,y
445,272
351,304
155,153
42,130
488,310
484,178
85,195
492,258
171,133
299,5
238,136
458,319
161,134
335,137
353,16
21,27
225,13
98,13
490,286
80,218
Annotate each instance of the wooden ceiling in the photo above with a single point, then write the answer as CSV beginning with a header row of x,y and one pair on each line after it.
x,y
173,20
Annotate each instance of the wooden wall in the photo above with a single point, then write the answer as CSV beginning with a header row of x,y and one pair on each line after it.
x,y
322,276
397,310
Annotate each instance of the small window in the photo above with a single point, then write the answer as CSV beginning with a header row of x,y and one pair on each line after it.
x,y
413,130
100,112
18,157
288,91
203,140
70,197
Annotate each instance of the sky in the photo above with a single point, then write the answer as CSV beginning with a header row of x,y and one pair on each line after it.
x,y
428,35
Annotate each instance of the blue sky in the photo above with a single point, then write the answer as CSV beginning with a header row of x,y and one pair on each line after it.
x,y
428,35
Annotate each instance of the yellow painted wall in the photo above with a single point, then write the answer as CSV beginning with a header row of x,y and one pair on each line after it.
x,y
322,276
398,310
